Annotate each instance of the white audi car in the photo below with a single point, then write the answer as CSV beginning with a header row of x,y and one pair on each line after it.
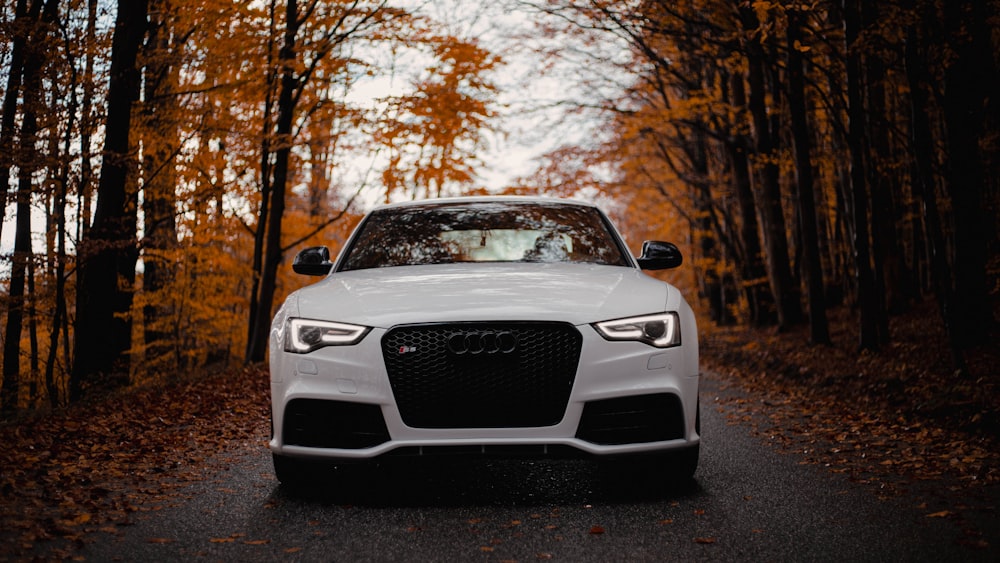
x,y
486,325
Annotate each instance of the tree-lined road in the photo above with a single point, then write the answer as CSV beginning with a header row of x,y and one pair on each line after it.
x,y
747,503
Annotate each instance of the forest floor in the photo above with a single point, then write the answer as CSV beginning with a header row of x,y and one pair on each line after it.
x,y
898,420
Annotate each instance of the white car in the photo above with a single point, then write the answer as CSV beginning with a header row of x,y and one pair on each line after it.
x,y
484,325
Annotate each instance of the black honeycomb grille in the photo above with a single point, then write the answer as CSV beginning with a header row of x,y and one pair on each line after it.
x,y
482,375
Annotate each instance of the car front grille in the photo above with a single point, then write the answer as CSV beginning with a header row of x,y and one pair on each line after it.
x,y
482,375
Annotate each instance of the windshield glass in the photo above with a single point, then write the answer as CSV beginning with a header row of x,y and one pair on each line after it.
x,y
483,232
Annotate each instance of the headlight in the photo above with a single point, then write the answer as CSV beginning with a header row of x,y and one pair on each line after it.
x,y
303,335
662,330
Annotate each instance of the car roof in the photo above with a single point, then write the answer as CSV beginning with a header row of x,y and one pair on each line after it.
x,y
444,201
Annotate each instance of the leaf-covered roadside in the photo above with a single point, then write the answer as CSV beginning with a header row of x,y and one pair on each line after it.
x,y
900,419
88,468
899,412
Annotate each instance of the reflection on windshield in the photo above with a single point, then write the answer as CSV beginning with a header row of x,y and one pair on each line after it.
x,y
483,232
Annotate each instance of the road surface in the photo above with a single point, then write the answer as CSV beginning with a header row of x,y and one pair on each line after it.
x,y
747,503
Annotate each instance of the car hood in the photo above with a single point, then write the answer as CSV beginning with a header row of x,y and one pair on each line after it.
x,y
574,293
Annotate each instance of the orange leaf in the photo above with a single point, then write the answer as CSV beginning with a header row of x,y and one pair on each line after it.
x,y
597,530
704,540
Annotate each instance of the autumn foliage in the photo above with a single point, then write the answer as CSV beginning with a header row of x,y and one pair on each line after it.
x,y
177,152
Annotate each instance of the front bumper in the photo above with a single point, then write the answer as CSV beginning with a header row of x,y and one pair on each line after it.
x,y
337,403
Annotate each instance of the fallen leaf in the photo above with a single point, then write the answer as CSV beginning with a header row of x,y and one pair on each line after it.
x,y
704,540
595,530
942,514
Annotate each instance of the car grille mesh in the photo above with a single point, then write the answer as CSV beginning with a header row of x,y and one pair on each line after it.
x,y
482,375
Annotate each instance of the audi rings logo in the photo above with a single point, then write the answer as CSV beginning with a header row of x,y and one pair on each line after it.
x,y
487,342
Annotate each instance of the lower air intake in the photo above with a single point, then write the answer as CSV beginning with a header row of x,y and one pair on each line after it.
x,y
632,420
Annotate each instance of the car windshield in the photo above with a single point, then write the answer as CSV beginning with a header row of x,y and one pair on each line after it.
x,y
483,232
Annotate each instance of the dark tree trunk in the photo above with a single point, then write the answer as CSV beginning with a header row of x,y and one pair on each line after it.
x,y
786,292
59,221
87,126
868,299
23,24
812,271
968,79
108,255
711,276
925,185
265,199
26,159
882,185
260,323
752,270
16,298
159,189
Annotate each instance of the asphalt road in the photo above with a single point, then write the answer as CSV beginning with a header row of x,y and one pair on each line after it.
x,y
746,503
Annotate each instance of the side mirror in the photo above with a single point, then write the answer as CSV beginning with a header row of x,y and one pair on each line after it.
x,y
658,255
313,261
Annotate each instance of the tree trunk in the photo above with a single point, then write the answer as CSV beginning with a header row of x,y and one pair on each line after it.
x,y
265,199
924,183
867,298
711,276
26,159
159,189
59,221
812,271
752,270
261,321
108,255
23,25
786,292
87,126
882,185
967,82
19,267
